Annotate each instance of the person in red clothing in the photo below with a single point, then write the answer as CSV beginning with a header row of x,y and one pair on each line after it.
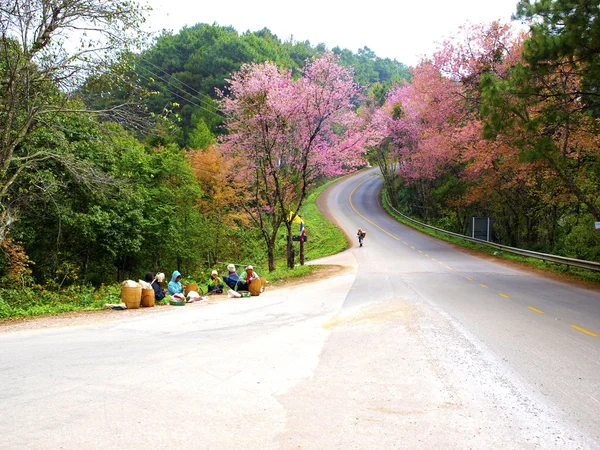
x,y
250,275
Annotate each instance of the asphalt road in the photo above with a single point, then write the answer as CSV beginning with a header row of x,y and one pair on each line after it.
x,y
417,345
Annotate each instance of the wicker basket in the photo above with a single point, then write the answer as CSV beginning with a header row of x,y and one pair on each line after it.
x,y
190,287
147,298
131,296
254,287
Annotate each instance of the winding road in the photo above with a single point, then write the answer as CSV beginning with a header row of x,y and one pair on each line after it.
x,y
417,344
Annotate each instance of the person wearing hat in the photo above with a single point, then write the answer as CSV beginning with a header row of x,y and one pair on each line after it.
x,y
155,283
215,285
251,275
232,279
159,291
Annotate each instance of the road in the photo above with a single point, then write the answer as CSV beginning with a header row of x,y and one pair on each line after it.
x,y
416,345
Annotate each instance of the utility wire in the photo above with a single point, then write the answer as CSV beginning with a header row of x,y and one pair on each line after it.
x,y
185,99
177,87
198,93
96,139
220,116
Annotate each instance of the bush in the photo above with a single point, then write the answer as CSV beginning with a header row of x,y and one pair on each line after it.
x,y
40,300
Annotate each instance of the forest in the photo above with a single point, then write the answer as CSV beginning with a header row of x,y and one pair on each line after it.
x,y
122,155
114,160
504,123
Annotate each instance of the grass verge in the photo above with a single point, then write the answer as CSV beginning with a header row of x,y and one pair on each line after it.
x,y
324,240
562,270
43,300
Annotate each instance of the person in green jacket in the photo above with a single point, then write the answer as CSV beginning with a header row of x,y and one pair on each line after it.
x,y
215,284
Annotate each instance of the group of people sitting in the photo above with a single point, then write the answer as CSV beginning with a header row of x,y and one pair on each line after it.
x,y
215,283
233,280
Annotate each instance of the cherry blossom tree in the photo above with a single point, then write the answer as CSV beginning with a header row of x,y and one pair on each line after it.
x,y
289,133
434,121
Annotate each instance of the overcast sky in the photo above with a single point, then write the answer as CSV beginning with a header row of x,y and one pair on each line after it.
x,y
401,29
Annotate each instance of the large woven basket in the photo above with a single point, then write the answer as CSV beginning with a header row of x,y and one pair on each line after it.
x,y
147,298
131,296
190,287
254,287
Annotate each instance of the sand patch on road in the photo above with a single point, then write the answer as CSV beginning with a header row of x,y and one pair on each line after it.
x,y
373,315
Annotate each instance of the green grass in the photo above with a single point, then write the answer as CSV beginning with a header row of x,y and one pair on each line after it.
x,y
43,300
574,273
324,240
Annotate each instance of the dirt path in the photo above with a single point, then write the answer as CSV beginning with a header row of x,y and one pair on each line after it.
x,y
87,318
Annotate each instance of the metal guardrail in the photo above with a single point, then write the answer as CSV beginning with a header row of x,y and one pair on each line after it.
x,y
591,265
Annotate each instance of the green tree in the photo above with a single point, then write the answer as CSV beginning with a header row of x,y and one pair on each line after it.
x,y
37,68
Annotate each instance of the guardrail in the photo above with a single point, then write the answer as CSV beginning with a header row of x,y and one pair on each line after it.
x,y
591,265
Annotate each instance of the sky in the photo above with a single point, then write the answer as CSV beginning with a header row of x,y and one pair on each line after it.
x,y
401,29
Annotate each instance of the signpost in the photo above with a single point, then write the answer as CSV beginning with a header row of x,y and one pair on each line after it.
x,y
480,228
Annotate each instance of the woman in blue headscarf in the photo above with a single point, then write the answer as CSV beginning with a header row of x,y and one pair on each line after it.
x,y
175,286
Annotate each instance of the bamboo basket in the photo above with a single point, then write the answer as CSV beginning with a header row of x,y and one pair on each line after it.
x,y
190,287
254,287
263,283
131,296
147,298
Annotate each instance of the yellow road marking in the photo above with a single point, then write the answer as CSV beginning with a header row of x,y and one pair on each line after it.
x,y
583,330
448,267
536,310
483,286
405,243
426,255
419,251
504,295
441,263
412,246
355,210
457,270
433,259
469,278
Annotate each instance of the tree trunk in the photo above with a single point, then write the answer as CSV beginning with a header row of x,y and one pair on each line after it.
x,y
271,255
301,250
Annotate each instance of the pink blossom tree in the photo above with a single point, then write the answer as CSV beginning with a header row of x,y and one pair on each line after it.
x,y
434,122
289,133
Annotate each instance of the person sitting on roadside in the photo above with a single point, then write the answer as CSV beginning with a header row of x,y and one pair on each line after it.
x,y
175,286
250,276
215,285
159,291
232,280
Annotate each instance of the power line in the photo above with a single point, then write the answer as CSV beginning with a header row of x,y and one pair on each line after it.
x,y
171,77
96,139
220,116
176,87
183,98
